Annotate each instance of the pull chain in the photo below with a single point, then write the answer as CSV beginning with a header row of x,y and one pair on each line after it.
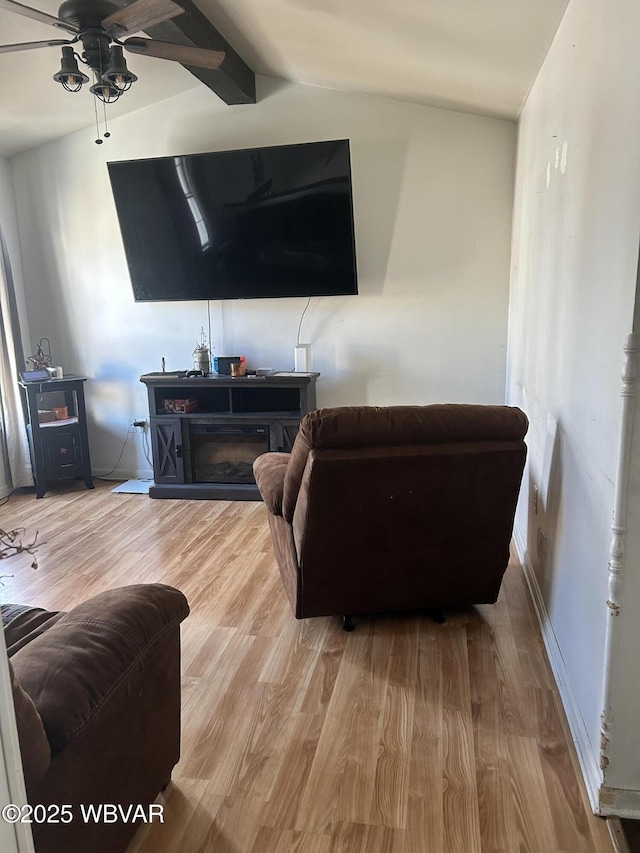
x,y
95,110
98,81
106,134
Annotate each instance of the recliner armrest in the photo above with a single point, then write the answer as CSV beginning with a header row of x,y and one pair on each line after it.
x,y
72,669
269,471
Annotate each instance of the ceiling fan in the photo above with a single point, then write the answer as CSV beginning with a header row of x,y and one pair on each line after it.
x,y
98,25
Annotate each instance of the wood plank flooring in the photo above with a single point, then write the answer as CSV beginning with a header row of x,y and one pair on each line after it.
x,y
402,737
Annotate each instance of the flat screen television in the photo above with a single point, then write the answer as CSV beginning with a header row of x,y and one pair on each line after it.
x,y
259,222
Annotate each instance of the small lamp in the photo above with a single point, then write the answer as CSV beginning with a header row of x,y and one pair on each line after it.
x,y
105,91
118,75
70,75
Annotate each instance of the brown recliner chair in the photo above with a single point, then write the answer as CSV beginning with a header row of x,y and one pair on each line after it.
x,y
97,698
398,508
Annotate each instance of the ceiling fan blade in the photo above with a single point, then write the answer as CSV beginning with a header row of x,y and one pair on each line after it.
x,y
182,53
36,15
32,45
141,14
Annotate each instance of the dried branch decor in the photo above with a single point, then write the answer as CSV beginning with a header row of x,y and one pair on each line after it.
x,y
11,543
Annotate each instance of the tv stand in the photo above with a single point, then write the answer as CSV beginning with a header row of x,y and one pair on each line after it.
x,y
207,430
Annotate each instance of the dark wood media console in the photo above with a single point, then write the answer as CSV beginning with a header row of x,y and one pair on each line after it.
x,y
207,430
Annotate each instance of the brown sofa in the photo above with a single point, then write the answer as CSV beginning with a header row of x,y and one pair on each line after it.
x,y
97,696
397,508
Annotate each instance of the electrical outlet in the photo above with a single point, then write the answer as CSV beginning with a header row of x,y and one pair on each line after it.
x,y
139,424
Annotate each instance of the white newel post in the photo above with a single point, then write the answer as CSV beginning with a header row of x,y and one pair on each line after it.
x,y
617,551
14,837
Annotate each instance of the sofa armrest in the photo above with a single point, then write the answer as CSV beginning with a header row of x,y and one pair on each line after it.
x,y
269,471
71,671
34,747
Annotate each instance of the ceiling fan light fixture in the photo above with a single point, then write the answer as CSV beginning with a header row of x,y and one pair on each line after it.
x,y
70,76
98,39
118,75
105,91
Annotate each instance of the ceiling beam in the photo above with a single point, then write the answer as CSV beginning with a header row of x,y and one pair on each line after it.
x,y
234,81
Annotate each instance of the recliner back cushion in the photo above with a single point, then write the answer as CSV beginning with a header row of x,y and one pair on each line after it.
x,y
392,528
396,426
391,426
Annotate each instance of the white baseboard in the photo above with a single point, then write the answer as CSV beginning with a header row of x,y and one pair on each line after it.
x,y
605,801
123,473
588,760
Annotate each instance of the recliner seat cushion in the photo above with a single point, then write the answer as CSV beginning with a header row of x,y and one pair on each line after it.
x,y
23,624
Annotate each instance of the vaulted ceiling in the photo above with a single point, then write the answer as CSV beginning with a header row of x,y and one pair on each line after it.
x,y
478,56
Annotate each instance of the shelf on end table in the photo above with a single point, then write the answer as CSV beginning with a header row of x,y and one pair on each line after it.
x,y
60,422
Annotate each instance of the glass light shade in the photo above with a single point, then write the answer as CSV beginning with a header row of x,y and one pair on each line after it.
x,y
118,75
105,91
70,76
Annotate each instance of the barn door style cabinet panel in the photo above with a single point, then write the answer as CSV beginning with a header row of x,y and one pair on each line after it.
x,y
206,431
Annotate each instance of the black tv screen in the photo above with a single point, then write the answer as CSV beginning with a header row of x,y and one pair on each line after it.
x,y
246,224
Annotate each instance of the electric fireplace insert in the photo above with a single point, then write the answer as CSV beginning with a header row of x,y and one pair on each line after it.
x,y
225,453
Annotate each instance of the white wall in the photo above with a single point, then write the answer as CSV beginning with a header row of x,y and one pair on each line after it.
x,y
433,195
575,253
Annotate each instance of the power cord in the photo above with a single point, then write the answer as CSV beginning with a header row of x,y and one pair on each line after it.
x,y
146,449
300,326
5,500
301,319
126,439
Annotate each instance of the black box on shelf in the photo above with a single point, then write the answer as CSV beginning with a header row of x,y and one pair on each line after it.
x,y
222,363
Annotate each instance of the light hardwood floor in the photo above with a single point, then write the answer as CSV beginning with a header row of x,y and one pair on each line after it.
x,y
402,737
